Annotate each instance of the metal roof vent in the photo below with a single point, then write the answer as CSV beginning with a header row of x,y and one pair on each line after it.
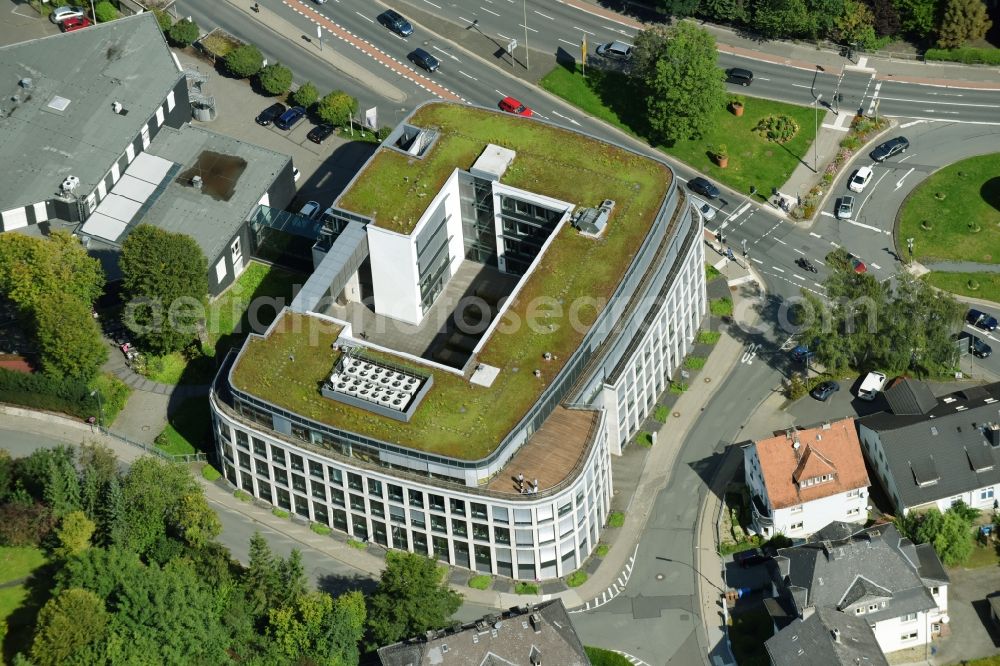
x,y
69,184
26,83
196,181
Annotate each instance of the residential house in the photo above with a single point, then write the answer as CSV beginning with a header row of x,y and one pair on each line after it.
x,y
826,637
803,479
933,452
528,636
898,588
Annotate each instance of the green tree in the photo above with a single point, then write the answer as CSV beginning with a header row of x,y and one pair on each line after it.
x,y
25,524
918,18
74,533
291,577
336,108
163,19
963,21
261,578
194,520
305,95
318,629
856,25
32,268
649,47
686,89
411,597
69,340
184,33
783,18
152,492
104,11
725,10
244,61
112,525
98,465
7,476
164,281
679,9
275,79
950,533
67,623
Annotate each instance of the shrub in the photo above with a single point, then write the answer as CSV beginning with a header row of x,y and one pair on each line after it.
x,y
183,33
644,439
721,307
795,388
114,394
711,272
244,61
105,11
383,133
576,579
616,519
280,513
25,524
968,55
661,413
163,19
305,96
481,582
243,496
320,528
275,79
39,391
851,143
602,549
209,473
708,337
354,543
777,129
336,108
525,588
678,387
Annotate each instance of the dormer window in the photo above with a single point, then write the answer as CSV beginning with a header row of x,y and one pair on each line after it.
x,y
815,480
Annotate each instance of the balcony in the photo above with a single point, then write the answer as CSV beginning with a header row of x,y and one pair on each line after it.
x,y
761,516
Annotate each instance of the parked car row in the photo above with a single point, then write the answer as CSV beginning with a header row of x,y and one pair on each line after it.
x,y
285,119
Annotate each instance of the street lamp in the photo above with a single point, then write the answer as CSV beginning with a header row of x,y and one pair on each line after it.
x,y
527,61
100,408
816,133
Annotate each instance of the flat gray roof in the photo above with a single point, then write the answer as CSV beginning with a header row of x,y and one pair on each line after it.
x,y
126,60
211,220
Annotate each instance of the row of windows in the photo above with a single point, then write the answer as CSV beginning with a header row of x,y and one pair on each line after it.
x,y
376,488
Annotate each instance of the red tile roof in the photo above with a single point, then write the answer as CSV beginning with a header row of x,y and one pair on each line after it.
x,y
832,449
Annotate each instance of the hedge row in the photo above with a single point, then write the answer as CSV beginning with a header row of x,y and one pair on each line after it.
x,y
968,55
43,392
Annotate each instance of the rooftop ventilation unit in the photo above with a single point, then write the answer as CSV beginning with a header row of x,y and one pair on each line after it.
x,y
69,184
26,83
592,221
196,181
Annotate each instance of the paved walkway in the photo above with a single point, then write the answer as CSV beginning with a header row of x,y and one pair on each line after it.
x,y
962,267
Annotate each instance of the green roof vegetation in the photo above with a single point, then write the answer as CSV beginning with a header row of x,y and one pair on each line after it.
x,y
456,418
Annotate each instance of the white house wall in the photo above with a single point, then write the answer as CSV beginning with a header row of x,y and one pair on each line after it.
x,y
395,284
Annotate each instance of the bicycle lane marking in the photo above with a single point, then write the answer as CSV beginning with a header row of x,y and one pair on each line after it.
x,y
372,51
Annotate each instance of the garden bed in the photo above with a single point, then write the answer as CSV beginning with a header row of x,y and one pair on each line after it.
x,y
217,44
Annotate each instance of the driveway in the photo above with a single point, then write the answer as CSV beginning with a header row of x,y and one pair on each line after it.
x,y
973,634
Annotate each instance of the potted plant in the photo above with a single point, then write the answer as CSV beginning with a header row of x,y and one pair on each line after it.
x,y
722,155
736,105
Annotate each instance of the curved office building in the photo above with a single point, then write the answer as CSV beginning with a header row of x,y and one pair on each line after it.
x,y
495,305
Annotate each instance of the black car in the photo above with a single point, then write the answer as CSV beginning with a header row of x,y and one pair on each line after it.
x,y
290,118
743,77
267,116
320,133
395,22
982,320
825,390
749,558
423,59
891,147
980,349
703,187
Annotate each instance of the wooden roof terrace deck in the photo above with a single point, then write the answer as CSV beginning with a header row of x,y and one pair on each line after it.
x,y
552,453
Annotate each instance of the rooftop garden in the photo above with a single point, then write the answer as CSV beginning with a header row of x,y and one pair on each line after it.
x,y
457,418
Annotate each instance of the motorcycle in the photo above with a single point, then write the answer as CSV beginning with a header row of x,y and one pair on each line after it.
x,y
806,265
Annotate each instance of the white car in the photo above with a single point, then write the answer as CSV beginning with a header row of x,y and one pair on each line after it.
x,y
310,210
60,14
707,212
860,179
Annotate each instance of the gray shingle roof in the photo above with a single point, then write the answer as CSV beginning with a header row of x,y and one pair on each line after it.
x,y
126,60
826,638
553,640
908,396
944,452
870,567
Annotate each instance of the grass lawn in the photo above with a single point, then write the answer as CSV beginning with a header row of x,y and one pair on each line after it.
x,y
752,160
602,657
972,198
708,337
175,369
721,307
958,283
982,556
189,429
482,582
748,632
16,563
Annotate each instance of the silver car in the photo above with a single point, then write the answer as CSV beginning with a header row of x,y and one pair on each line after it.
x,y
60,14
845,209
707,212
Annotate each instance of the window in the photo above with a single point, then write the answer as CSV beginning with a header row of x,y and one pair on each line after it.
x,y
854,493
337,496
261,467
417,519
281,476
377,508
797,509
909,617
872,608
859,610
354,481
278,455
259,448
986,494
298,483
438,524
318,490
500,515
296,462
480,532
460,528
437,502
501,535
242,439
934,590
244,460
358,503
395,493
457,507
909,636
336,477
795,526
374,488
416,498
315,469
478,510
397,514
853,512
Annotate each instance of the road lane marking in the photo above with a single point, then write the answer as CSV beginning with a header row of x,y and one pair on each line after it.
x,y
781,241
941,103
819,285
780,270
543,15
798,277
865,226
521,25
899,183
814,234
489,11
875,266
467,75
799,251
573,44
757,261
913,122
586,31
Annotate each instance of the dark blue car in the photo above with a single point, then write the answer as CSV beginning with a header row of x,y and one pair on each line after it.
x,y
290,118
982,320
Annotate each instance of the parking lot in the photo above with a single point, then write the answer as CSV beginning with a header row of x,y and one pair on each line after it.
x,y
326,168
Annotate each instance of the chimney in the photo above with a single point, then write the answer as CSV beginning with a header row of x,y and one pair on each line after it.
x,y
536,622
196,181
836,635
828,550
993,433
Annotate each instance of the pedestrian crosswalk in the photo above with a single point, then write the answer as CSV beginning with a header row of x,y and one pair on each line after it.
x,y
612,590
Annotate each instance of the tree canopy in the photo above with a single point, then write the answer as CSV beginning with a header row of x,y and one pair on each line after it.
x,y
950,532
336,108
164,283
305,95
412,597
864,324
70,345
275,79
683,83
183,33
963,21
244,61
